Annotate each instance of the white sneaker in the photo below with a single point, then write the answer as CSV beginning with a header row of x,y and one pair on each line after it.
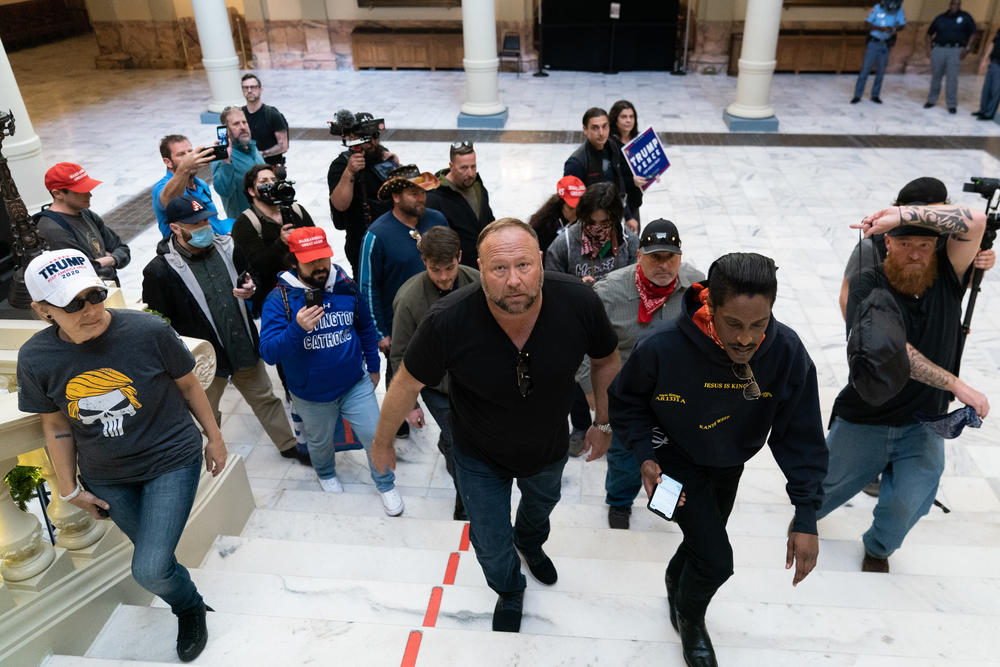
x,y
392,502
331,485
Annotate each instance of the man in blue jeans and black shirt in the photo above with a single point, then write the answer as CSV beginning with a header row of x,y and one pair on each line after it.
x,y
511,349
885,20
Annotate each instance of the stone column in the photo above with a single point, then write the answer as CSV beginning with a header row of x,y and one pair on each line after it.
x,y
752,112
24,149
482,107
218,56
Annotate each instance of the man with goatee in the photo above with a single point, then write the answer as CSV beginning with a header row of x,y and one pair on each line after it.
x,y
926,280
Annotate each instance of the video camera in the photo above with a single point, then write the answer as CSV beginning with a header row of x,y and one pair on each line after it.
x,y
364,127
280,193
984,186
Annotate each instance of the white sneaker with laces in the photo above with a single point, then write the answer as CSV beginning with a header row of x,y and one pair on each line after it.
x,y
331,485
392,502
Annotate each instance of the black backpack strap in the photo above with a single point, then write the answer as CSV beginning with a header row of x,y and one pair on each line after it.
x,y
52,215
284,300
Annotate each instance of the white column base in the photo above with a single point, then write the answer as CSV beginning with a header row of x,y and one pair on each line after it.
x,y
60,566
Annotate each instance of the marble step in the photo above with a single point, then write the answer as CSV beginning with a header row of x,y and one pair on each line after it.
x,y
138,636
847,523
590,576
760,626
932,557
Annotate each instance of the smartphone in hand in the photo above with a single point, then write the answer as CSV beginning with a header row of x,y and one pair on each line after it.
x,y
314,297
220,151
666,495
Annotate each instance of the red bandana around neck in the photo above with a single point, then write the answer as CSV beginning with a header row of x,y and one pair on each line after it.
x,y
651,297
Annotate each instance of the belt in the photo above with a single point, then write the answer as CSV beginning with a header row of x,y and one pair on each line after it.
x,y
949,46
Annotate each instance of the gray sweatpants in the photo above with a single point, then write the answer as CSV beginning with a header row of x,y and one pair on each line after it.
x,y
944,62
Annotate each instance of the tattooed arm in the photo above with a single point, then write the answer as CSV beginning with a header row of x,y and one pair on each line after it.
x,y
927,372
964,227
62,449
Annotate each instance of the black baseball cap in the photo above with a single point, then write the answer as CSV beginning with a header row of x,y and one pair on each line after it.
x,y
919,192
660,236
188,210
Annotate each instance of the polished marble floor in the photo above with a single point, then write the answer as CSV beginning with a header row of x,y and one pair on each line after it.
x,y
792,202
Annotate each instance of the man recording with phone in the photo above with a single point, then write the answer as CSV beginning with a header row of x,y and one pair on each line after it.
x,y
354,179
262,230
183,163
199,280
698,398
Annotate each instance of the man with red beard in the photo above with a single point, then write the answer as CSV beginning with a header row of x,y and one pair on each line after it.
x,y
865,440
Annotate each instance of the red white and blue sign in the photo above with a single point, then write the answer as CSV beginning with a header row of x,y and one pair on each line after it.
x,y
645,156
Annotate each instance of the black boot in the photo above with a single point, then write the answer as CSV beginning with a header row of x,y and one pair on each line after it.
x,y
697,645
192,633
671,597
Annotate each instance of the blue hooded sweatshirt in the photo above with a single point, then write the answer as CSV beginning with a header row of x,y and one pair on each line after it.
x,y
320,365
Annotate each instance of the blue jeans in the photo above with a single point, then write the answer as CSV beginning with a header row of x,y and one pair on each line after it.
x,y
486,496
622,481
359,408
877,54
910,459
990,97
153,514
438,405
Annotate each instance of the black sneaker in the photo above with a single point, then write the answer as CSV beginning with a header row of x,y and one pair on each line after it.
x,y
982,117
952,110
294,453
507,613
192,633
877,100
618,516
928,105
541,567
855,100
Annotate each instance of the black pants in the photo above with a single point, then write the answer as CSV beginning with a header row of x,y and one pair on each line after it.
x,y
704,560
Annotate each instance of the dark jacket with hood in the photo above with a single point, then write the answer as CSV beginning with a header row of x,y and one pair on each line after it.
x,y
170,287
447,199
586,163
678,389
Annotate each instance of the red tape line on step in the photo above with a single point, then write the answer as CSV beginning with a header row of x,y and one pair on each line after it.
x,y
451,570
463,544
430,618
412,648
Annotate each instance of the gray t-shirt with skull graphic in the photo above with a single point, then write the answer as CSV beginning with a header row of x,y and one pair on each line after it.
x,y
129,420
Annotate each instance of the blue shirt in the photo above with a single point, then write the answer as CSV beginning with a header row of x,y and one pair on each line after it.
x,y
954,28
204,195
389,257
227,177
883,19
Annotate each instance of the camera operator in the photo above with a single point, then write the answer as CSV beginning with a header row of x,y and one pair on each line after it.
x,y
262,230
354,180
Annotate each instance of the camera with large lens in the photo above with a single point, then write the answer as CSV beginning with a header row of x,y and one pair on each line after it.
x,y
277,193
356,129
984,186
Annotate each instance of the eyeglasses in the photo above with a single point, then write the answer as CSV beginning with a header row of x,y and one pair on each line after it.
x,y
524,382
96,296
415,235
251,87
751,390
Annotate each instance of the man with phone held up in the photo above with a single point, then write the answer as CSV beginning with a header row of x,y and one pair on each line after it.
x,y
227,174
510,348
183,162
199,281
321,333
695,401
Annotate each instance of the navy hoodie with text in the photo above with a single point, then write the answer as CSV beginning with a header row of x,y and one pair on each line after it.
x,y
319,365
679,381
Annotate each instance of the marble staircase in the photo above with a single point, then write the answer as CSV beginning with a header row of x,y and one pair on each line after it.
x,y
317,577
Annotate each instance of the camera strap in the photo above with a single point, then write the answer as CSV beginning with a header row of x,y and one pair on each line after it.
x,y
255,219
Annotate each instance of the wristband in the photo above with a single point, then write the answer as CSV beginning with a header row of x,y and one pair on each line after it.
x,y
77,491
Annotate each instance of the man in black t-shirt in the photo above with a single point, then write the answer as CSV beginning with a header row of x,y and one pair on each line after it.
x,y
354,183
511,349
268,126
865,440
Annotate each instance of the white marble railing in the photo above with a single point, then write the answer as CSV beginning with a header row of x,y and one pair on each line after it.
x,y
45,586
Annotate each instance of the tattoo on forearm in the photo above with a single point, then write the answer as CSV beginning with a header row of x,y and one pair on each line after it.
x,y
60,436
926,371
952,220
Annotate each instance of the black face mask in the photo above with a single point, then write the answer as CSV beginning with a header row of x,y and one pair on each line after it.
x,y
892,6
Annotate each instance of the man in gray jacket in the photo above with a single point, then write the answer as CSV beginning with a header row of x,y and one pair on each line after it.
x,y
636,297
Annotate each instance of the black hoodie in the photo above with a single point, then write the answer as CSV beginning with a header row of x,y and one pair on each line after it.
x,y
680,382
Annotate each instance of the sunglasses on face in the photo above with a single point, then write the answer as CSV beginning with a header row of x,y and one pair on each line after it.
x,y
96,296
524,382
751,391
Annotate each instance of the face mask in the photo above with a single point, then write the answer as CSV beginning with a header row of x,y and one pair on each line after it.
x,y
202,237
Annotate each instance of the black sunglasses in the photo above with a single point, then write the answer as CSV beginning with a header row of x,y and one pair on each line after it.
x,y
524,382
96,296
461,144
751,390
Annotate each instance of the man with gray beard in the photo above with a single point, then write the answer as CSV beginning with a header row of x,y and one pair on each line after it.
x,y
925,279
511,349
227,175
